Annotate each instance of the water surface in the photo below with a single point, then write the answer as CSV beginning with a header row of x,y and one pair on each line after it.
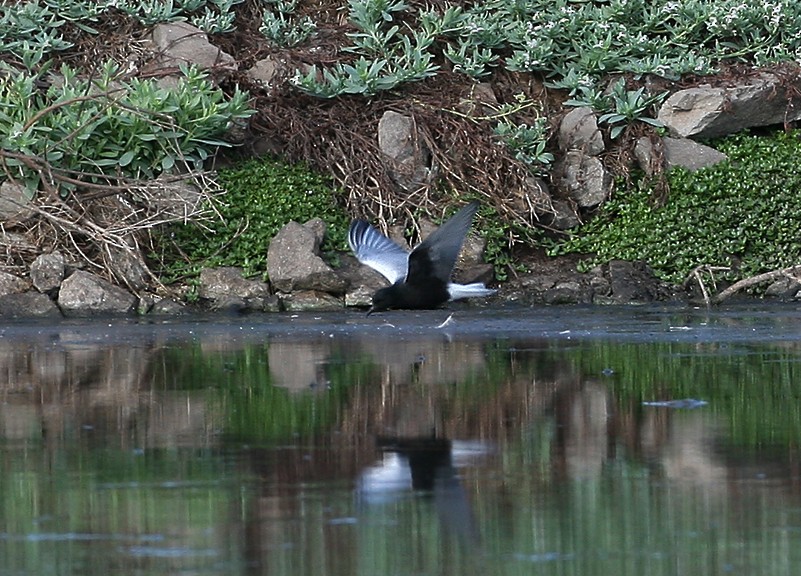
x,y
625,440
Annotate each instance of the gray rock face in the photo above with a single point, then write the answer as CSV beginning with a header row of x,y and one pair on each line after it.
x,y
10,284
585,179
293,261
28,305
14,202
579,131
311,300
182,43
408,158
47,272
83,293
218,284
679,152
709,111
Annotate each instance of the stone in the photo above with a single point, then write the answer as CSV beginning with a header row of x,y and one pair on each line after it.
x,y
293,261
29,304
633,282
14,202
579,131
711,111
182,43
47,272
678,152
408,159
10,284
168,307
585,179
128,267
311,300
218,284
266,70
563,217
84,294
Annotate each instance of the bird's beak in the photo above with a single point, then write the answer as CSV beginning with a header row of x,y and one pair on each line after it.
x,y
370,311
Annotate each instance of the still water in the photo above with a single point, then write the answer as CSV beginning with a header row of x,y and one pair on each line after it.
x,y
564,441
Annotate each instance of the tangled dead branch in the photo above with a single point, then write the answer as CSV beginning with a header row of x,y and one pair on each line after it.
x,y
106,226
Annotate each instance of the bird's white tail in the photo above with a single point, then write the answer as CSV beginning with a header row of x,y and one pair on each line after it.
x,y
474,290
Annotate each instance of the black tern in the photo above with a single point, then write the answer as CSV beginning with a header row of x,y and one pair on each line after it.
x,y
420,278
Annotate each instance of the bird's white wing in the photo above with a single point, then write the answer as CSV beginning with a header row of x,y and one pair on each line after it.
x,y
377,251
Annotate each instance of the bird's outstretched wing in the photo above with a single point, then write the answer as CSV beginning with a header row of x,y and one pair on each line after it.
x,y
436,255
377,251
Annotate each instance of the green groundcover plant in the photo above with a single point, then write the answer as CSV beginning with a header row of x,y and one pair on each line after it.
x,y
742,213
261,196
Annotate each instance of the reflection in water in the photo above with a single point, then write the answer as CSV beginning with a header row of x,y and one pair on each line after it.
x,y
439,453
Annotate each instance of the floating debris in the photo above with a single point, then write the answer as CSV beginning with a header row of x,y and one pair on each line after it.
x,y
689,403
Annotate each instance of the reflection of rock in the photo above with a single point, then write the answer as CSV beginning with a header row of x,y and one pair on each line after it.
x,y
583,422
106,392
688,454
298,365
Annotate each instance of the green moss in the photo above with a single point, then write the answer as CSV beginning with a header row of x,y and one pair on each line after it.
x,y
744,210
261,197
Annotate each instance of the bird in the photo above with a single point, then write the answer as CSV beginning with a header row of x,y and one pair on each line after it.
x,y
420,279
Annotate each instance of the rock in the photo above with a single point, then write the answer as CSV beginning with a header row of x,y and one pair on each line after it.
x,y
182,43
83,293
579,131
221,284
28,305
10,284
168,307
311,300
362,281
480,101
563,217
47,272
408,159
585,179
710,111
681,152
14,202
177,199
633,282
266,70
293,262
128,267
568,292
784,288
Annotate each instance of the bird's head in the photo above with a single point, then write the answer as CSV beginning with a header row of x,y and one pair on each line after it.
x,y
383,299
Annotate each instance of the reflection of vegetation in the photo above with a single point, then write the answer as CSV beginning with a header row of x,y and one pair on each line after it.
x,y
757,388
253,407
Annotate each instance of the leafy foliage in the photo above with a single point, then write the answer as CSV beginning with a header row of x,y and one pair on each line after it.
x,y
110,126
262,196
744,210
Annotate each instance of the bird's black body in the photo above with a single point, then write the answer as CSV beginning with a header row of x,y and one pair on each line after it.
x,y
420,278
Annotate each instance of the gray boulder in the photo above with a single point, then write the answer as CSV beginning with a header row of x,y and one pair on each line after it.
x,y
710,111
29,304
84,293
407,157
678,152
10,284
47,272
311,300
14,202
227,290
579,131
293,261
585,179
181,43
